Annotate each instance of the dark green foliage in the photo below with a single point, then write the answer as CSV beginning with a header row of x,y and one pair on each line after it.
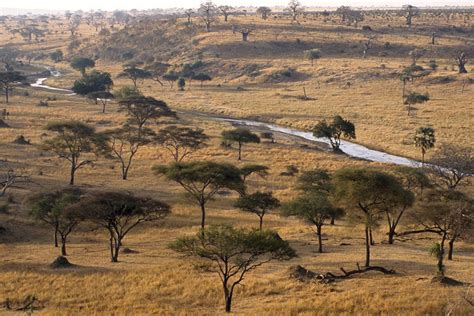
x,y
53,209
57,56
425,139
93,82
181,83
335,130
202,180
181,141
314,208
135,74
241,136
119,213
81,64
315,181
365,194
202,77
8,79
141,109
232,252
72,140
259,203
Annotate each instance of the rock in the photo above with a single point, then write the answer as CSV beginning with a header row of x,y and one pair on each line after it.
x,y
61,263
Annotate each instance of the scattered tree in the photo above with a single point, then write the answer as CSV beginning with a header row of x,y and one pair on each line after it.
x,y
81,64
259,203
101,96
208,12
234,252
415,98
424,139
10,177
294,8
410,12
226,11
240,136
119,213
335,130
315,209
461,61
181,141
202,180
135,74
94,82
72,140
53,209
312,55
202,77
264,12
8,79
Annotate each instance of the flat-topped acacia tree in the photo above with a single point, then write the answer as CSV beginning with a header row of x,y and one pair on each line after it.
x,y
314,208
135,74
240,136
202,180
52,208
259,203
81,64
181,141
363,193
8,79
72,140
119,213
233,252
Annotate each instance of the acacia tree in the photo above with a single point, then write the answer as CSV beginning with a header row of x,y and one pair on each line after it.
x,y
135,74
259,203
181,141
415,98
202,77
425,139
333,131
233,252
72,140
10,177
461,61
52,208
157,71
101,96
119,213
208,12
81,64
410,12
125,142
364,194
315,209
94,82
189,13
226,11
452,166
140,110
294,8
240,136
447,213
8,79
312,55
202,180
250,169
264,12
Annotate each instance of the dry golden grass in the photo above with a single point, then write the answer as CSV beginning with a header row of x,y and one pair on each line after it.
x,y
156,280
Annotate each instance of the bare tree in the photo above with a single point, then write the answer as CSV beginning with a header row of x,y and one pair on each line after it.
x,y
461,60
368,45
10,177
264,12
245,30
294,8
207,12
410,12
189,13
226,11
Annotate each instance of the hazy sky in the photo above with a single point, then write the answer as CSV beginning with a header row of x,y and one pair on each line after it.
x,y
111,5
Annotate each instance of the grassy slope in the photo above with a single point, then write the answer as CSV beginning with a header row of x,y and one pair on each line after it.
x,y
156,280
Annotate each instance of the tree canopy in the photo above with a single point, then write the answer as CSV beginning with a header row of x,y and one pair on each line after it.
x,y
333,131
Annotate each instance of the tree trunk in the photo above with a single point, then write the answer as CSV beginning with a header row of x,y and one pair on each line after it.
x,y
203,214
73,174
332,220
320,239
371,238
6,94
63,247
391,235
228,303
367,247
103,107
240,151
261,223
245,36
56,235
441,256
451,248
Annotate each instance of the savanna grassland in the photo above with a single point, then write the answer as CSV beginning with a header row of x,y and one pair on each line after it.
x,y
263,79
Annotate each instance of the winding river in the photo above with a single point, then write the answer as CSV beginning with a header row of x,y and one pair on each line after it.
x,y
351,149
